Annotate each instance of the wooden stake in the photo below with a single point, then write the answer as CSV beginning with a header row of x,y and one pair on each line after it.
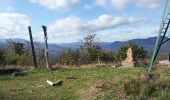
x,y
46,47
32,47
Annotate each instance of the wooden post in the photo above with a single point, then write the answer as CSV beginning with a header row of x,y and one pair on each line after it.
x,y
32,47
46,47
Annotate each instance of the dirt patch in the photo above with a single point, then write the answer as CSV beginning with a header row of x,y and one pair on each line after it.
x,y
90,93
100,90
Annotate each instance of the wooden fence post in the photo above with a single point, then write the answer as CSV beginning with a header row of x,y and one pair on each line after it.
x,y
32,47
46,47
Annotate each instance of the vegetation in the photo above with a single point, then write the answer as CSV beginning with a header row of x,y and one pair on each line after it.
x,y
91,83
18,54
90,53
100,82
34,85
157,88
139,54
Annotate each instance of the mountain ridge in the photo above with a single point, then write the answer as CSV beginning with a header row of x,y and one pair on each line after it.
x,y
147,44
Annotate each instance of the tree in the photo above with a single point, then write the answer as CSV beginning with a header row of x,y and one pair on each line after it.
x,y
90,50
139,54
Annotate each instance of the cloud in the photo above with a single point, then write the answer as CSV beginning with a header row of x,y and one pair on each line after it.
x,y
128,33
13,25
56,4
151,4
122,4
76,26
118,4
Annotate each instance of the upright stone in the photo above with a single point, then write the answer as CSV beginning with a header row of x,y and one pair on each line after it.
x,y
129,59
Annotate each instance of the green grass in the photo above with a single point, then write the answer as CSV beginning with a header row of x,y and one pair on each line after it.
x,y
91,84
108,84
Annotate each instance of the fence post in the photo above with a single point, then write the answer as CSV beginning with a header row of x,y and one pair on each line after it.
x,y
32,47
46,47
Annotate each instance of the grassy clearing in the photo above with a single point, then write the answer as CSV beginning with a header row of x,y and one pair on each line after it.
x,y
91,83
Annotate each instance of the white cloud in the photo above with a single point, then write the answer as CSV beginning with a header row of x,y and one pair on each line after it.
x,y
119,4
56,4
122,4
128,33
73,26
151,4
13,25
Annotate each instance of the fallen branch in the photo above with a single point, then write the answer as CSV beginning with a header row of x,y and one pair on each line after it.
x,y
57,83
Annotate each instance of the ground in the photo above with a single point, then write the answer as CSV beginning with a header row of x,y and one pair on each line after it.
x,y
90,83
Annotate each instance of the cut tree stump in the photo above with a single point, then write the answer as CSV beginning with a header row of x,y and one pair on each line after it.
x,y
57,83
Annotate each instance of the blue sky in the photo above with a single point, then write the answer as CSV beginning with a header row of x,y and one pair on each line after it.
x,y
71,20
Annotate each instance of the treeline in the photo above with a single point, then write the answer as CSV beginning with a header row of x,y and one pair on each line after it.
x,y
92,54
85,56
18,54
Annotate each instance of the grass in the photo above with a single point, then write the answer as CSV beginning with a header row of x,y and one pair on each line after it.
x,y
34,85
157,88
91,83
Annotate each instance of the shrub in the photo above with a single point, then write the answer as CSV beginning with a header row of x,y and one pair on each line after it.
x,y
139,54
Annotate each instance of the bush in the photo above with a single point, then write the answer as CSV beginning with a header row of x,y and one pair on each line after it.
x,y
139,54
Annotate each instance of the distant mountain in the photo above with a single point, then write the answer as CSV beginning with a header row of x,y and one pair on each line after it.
x,y
52,47
73,45
147,43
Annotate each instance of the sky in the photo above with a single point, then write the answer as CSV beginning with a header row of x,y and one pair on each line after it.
x,y
71,20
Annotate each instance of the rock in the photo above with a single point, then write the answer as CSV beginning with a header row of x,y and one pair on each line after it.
x,y
129,59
